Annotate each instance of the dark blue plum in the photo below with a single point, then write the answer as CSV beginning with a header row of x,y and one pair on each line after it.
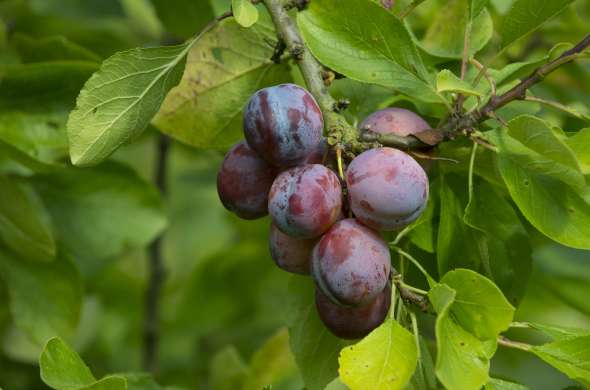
x,y
283,124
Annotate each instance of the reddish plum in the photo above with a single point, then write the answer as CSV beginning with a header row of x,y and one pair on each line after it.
x,y
353,322
387,188
351,263
394,120
289,253
305,201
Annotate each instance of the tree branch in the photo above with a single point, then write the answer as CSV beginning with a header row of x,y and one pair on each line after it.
x,y
151,325
338,130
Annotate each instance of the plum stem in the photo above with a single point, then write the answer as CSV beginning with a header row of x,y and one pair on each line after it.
x,y
506,342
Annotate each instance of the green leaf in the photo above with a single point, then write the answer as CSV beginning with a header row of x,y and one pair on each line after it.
x,y
24,224
479,306
385,359
365,42
462,360
454,236
183,18
446,81
118,102
43,86
76,199
541,177
445,34
227,370
45,299
580,145
272,363
559,332
499,384
505,251
62,368
570,355
245,12
336,384
107,383
526,16
226,66
37,141
476,7
53,48
140,381
314,347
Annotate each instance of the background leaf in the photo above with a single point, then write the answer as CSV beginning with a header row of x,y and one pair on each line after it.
x,y
88,230
24,224
223,70
570,356
45,299
526,16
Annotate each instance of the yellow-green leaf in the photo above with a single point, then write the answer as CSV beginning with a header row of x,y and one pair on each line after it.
x,y
245,12
383,360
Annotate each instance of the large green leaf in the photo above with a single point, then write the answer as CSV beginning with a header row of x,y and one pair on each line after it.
x,y
98,213
383,360
462,360
526,16
505,251
315,348
223,70
569,355
24,224
445,34
476,7
62,368
45,298
365,42
540,172
479,306
118,102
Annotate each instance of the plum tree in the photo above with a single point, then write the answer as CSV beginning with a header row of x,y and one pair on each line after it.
x,y
387,188
289,253
353,322
305,201
351,263
244,181
283,124
395,120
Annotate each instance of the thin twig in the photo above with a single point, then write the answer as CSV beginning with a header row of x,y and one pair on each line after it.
x,y
485,73
151,326
505,342
410,296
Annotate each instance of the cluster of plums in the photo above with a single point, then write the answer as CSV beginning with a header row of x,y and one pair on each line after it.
x,y
278,170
